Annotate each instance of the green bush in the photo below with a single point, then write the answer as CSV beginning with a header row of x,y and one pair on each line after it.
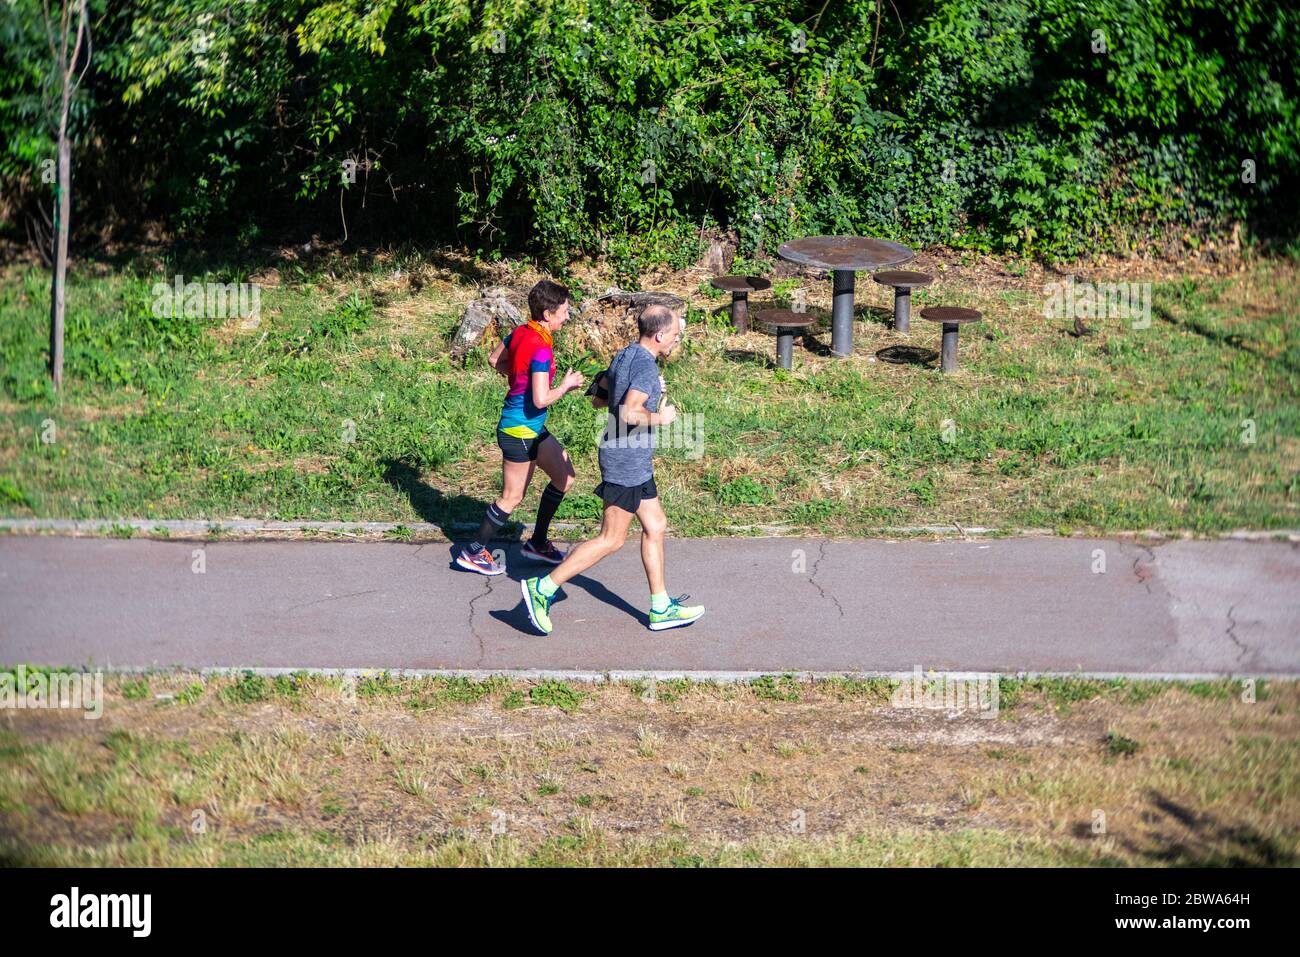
x,y
622,127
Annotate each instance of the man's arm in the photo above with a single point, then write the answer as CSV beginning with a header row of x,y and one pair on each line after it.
x,y
499,360
635,414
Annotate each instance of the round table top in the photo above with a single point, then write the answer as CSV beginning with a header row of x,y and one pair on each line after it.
x,y
902,279
741,283
785,319
951,314
844,252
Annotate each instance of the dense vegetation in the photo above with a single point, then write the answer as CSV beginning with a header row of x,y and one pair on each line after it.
x,y
627,127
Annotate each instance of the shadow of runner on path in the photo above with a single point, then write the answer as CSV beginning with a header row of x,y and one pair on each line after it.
x,y
455,515
518,568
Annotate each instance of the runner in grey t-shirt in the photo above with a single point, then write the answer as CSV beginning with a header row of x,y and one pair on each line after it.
x,y
627,452
627,477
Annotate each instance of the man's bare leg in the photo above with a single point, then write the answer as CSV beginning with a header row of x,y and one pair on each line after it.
x,y
613,533
665,612
654,524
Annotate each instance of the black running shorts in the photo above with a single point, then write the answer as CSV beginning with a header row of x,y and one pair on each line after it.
x,y
520,450
627,497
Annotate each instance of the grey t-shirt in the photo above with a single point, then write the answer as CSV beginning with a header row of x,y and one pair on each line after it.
x,y
626,452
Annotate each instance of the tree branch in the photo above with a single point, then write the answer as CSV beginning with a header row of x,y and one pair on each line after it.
x,y
82,28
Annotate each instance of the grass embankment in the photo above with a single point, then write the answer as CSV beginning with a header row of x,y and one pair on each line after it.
x,y
342,404
300,770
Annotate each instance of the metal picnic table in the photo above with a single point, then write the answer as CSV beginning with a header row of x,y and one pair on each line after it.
x,y
844,256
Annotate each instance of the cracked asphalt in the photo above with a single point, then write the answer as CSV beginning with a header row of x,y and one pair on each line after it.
x,y
1031,604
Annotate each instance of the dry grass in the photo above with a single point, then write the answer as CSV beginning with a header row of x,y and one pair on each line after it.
x,y
696,773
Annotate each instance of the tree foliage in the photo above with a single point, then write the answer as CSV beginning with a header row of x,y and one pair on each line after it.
x,y
624,127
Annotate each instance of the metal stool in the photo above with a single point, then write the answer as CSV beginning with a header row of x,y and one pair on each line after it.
x,y
903,282
740,287
786,325
953,318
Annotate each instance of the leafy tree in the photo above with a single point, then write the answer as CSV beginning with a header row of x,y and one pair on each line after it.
x,y
626,127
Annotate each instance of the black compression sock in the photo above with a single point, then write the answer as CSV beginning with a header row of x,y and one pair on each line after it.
x,y
551,499
493,519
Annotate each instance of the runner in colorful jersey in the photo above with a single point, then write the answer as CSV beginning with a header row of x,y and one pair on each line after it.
x,y
634,397
526,358
527,350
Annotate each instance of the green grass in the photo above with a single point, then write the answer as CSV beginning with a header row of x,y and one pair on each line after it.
x,y
1119,745
770,688
666,691
442,692
249,688
556,694
1062,693
513,700
343,405
135,690
190,694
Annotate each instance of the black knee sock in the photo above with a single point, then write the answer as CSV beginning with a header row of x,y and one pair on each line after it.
x,y
493,519
551,499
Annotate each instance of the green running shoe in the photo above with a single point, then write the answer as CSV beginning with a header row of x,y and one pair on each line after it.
x,y
538,605
675,615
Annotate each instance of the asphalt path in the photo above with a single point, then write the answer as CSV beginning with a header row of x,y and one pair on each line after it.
x,y
1006,605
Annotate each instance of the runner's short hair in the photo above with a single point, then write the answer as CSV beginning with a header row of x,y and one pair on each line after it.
x,y
546,295
654,319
